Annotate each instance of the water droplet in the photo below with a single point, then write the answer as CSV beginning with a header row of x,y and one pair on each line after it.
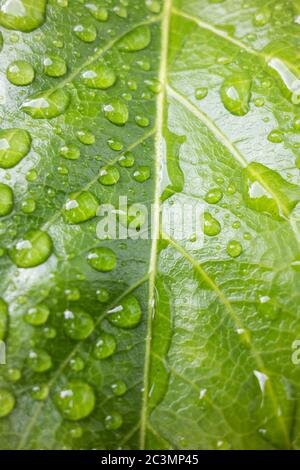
x,y
275,136
136,40
119,388
99,76
259,102
22,15
127,314
266,191
109,175
15,144
70,152
31,175
78,324
40,392
142,173
297,123
115,144
102,259
76,432
236,93
113,421
28,205
97,11
213,196
13,374
75,401
234,249
76,364
86,137
201,93
33,250
80,207
37,315
72,294
105,346
3,318
46,105
6,200
86,32
116,112
120,11
153,6
126,160
20,73
39,360
102,295
142,121
55,66
262,17
49,333
7,402
211,226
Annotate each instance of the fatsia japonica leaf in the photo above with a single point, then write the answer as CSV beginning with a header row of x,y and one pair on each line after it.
x,y
155,342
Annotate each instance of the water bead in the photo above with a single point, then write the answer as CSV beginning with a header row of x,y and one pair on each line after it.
x,y
142,121
20,73
76,400
105,346
213,196
99,76
119,388
211,226
55,66
80,207
102,295
86,32
113,421
39,361
236,93
70,152
201,93
127,314
142,173
99,12
116,112
37,315
40,392
109,175
34,249
136,40
102,259
78,324
86,137
234,249
126,160
6,200
15,144
7,402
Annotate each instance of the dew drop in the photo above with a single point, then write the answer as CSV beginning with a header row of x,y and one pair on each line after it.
x,y
31,175
275,136
115,145
13,374
22,15
211,226
80,207
78,324
70,152
76,364
37,315
99,12
39,361
102,295
213,196
33,250
15,144
105,346
262,17
234,249
236,93
116,112
119,388
99,76
201,93
20,73
141,174
86,32
46,105
75,401
102,259
153,6
40,392
86,137
297,123
126,160
6,200
120,11
7,402
113,421
127,314
28,205
136,40
3,318
142,121
109,175
55,66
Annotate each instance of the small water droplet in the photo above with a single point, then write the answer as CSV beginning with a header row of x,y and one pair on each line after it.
x,y
127,314
234,249
102,259
109,175
275,136
213,196
102,295
136,40
99,76
37,315
142,121
78,324
126,160
70,152
13,374
7,402
201,93
75,401
40,392
3,318
99,12
113,421
153,6
105,346
28,205
33,250
6,200
119,388
116,111
236,93
15,144
76,364
86,32
55,66
120,11
211,226
39,361
80,207
86,137
141,174
20,73
115,145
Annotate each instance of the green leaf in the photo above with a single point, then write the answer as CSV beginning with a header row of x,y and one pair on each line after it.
x,y
154,342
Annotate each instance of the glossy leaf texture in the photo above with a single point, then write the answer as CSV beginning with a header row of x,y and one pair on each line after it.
x,y
156,343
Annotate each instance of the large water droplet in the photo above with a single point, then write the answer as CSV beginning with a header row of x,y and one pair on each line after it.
x,y
33,250
87,32
39,360
70,152
236,93
136,40
7,402
3,318
116,112
75,401
109,175
127,314
211,226
105,346
78,324
102,259
55,66
20,73
266,191
6,200
80,207
14,145
99,12
22,15
37,315
46,105
99,76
